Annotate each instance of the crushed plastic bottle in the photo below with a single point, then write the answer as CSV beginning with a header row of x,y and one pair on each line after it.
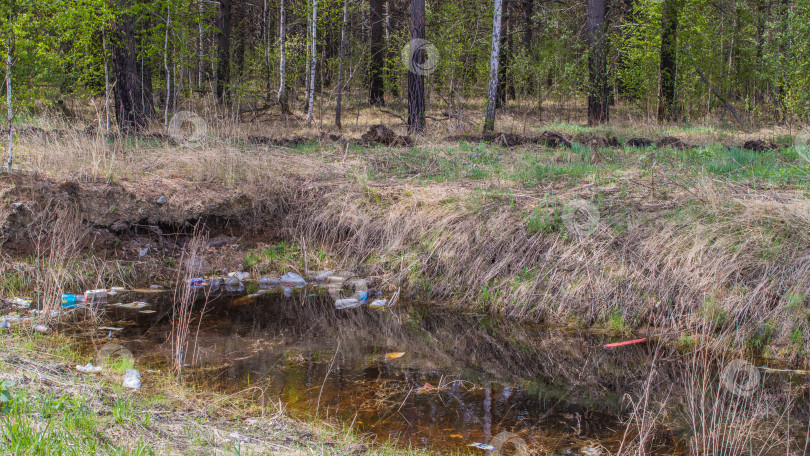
x,y
293,280
268,282
288,291
241,276
88,368
348,303
379,304
95,297
70,301
132,379
233,284
323,276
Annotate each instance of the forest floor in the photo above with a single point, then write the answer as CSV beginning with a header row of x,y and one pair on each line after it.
x,y
691,232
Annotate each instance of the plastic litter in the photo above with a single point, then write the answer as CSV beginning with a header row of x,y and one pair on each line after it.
x,y
132,379
323,276
12,318
482,446
20,303
5,324
115,290
157,287
132,305
361,296
288,291
147,311
268,282
395,355
95,297
293,280
349,303
233,284
70,301
379,304
40,328
110,328
627,342
197,282
241,276
480,315
142,252
88,368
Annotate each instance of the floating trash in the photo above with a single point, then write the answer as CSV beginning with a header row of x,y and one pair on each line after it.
x,y
147,311
241,276
5,324
395,355
110,328
19,303
323,276
88,368
293,280
132,305
380,304
115,290
95,297
349,303
268,282
482,446
41,328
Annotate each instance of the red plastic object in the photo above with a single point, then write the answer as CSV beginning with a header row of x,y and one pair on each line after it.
x,y
627,342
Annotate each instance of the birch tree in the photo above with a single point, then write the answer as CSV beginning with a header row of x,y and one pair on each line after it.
x,y
313,64
494,58
282,57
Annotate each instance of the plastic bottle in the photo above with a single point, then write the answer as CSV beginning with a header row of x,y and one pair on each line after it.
x,y
70,301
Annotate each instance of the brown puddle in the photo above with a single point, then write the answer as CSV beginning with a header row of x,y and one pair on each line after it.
x,y
462,378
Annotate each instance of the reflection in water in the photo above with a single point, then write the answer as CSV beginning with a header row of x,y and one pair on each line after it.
x,y
462,379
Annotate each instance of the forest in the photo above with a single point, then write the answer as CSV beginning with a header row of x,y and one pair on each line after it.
x,y
743,62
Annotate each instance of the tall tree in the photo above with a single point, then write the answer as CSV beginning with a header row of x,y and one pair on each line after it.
x,y
669,60
494,60
132,89
224,22
282,58
376,95
416,79
597,63
313,64
339,95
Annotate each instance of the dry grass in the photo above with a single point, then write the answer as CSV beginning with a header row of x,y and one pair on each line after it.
x,y
674,247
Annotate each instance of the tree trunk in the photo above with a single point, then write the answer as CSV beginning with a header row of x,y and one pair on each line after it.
x,y
416,81
313,65
106,82
282,58
598,95
224,51
669,60
528,37
166,68
376,95
494,57
339,95
504,88
132,89
9,99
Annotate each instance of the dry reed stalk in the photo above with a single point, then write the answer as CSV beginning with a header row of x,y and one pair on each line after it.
x,y
184,298
57,246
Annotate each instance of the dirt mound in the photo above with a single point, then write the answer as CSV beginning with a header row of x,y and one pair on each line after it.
x,y
292,141
381,135
160,208
639,142
596,141
672,142
759,145
549,138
